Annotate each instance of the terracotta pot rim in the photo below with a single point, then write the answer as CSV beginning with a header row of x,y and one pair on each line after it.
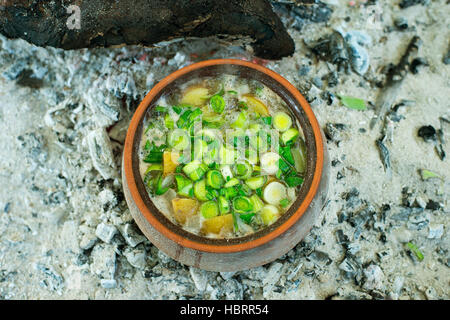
x,y
210,247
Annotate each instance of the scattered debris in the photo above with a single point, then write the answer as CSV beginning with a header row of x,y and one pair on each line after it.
x,y
374,277
103,261
101,153
409,3
385,156
108,283
136,257
427,133
105,232
131,235
416,63
395,77
345,49
303,13
435,231
401,23
334,132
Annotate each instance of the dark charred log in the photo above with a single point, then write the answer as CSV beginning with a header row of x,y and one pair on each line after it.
x,y
107,23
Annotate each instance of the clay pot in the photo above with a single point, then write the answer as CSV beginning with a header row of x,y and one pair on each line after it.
x,y
246,252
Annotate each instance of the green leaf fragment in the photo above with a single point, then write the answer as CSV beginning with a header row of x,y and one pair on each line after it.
x,y
415,250
427,174
353,103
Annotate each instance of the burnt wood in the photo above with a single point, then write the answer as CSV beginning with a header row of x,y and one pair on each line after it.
x,y
107,23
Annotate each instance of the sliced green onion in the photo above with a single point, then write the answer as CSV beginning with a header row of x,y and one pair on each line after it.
x,y
155,153
251,155
269,162
177,109
353,103
212,193
416,250
194,115
191,167
154,167
286,153
148,145
200,190
160,189
227,155
179,169
160,109
179,139
274,192
241,121
184,186
168,121
294,181
243,170
283,166
208,135
289,136
257,203
217,103
242,205
256,182
282,121
196,172
269,214
209,209
226,172
279,174
214,179
229,193
267,120
231,183
224,206
299,156
183,121
247,218
284,203
200,149
154,157
244,190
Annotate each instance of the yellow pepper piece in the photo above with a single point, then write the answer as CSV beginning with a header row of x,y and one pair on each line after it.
x,y
219,224
195,96
184,208
170,162
256,105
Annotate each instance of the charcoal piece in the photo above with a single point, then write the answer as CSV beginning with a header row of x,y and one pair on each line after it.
x,y
104,23
427,133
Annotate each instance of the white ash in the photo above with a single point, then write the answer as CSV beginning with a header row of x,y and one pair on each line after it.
x,y
374,277
61,154
136,257
108,283
200,278
131,235
105,232
103,261
435,231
